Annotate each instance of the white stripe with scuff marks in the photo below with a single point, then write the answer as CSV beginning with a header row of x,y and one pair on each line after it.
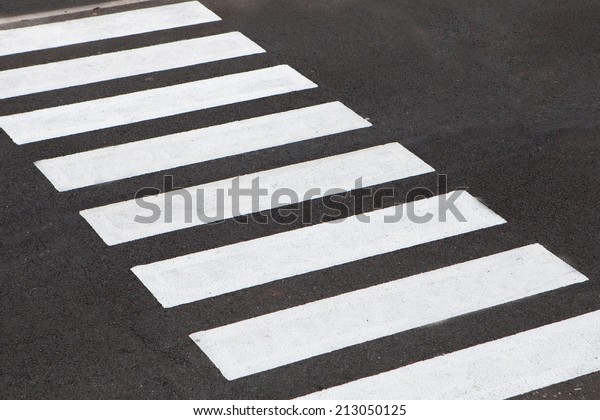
x,y
180,149
246,264
119,110
81,71
122,222
77,31
284,337
495,370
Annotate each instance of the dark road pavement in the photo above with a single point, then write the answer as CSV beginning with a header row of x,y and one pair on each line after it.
x,y
502,97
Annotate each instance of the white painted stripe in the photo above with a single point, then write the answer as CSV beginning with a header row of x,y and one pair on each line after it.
x,y
291,335
77,118
222,270
116,223
68,10
80,71
58,34
175,150
495,370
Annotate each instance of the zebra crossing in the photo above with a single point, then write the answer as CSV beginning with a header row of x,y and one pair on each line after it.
x,y
98,68
135,107
207,273
269,341
497,369
78,31
146,156
377,165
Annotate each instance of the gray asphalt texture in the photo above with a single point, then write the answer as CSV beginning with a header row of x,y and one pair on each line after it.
x,y
501,96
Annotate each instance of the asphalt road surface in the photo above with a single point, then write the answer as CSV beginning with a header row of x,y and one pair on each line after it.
x,y
502,97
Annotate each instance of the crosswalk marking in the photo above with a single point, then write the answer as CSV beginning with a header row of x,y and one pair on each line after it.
x,y
175,150
245,264
116,223
80,71
494,370
51,35
498,369
81,117
290,335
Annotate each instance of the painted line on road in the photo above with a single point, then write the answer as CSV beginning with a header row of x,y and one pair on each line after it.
x,y
68,11
45,124
281,338
118,223
242,265
494,370
98,68
147,156
77,31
